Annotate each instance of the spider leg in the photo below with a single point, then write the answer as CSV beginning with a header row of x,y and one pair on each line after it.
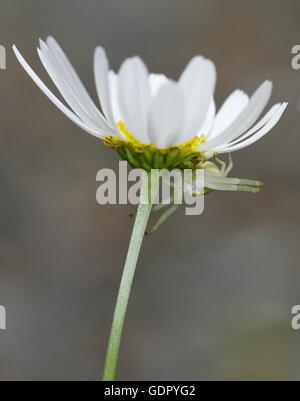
x,y
223,165
158,207
229,167
162,219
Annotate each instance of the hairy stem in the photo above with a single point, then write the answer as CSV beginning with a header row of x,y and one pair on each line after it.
x,y
144,210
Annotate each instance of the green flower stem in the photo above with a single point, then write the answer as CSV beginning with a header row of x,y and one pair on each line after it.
x,y
144,210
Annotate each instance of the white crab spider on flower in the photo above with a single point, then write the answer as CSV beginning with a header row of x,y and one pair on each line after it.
x,y
152,120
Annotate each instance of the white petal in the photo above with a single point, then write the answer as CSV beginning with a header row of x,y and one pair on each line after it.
x,y
135,97
209,119
72,116
271,113
63,86
230,110
245,120
113,81
69,78
165,116
101,70
260,133
198,84
156,81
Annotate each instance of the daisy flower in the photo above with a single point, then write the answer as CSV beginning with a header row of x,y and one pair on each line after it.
x,y
153,121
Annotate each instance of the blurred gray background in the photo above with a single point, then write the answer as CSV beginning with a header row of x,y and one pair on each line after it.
x,y
213,294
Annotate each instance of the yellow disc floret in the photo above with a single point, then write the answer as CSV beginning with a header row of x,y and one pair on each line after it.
x,y
147,157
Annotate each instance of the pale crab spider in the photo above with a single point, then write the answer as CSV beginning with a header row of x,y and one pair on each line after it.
x,y
215,179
